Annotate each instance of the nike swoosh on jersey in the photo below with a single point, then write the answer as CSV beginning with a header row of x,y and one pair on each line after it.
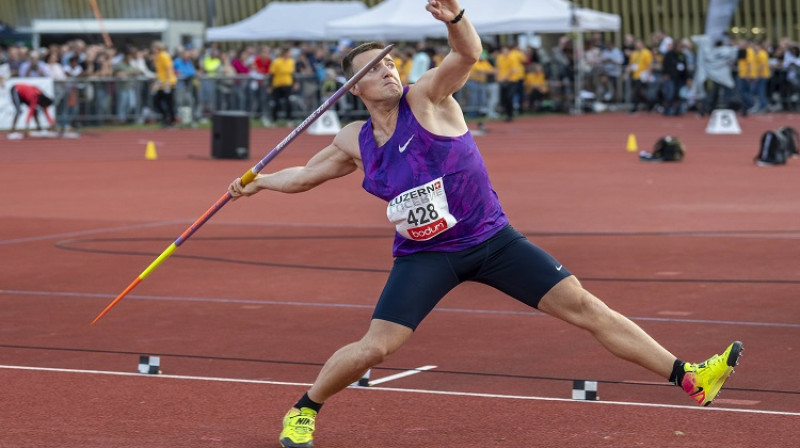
x,y
403,147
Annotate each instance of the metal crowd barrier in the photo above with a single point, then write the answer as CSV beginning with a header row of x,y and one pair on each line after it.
x,y
107,101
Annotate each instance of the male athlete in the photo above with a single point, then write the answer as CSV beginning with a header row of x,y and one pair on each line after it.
x,y
35,100
417,154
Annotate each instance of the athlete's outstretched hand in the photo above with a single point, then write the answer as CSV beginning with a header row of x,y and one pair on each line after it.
x,y
237,190
444,10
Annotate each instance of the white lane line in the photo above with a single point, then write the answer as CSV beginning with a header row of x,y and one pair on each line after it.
x,y
397,376
86,232
414,391
590,403
142,375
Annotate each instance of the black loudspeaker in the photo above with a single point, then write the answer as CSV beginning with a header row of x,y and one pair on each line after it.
x,y
230,135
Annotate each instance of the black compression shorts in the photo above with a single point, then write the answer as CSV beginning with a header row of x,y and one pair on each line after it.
x,y
507,261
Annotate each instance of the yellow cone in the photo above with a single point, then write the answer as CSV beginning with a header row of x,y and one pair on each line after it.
x,y
150,151
632,146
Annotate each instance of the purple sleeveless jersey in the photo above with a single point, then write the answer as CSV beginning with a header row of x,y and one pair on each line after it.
x,y
439,194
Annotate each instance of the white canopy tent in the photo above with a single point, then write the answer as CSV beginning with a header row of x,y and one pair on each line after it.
x,y
545,16
388,20
287,20
402,20
407,19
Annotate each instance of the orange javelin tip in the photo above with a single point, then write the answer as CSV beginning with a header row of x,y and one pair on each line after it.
x,y
119,297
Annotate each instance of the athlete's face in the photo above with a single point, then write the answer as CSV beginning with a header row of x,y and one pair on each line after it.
x,y
382,81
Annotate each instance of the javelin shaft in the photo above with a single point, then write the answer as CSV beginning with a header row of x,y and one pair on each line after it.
x,y
246,178
315,115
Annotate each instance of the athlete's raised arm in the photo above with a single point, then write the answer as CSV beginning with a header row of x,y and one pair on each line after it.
x,y
465,50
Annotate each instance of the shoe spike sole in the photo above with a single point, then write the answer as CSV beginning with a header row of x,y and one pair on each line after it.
x,y
736,353
733,360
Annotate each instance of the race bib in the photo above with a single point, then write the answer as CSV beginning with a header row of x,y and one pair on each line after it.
x,y
422,212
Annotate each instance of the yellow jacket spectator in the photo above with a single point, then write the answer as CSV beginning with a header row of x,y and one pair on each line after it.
x,y
282,70
398,63
403,64
747,63
165,72
481,70
641,64
510,66
762,69
163,100
535,86
640,69
510,73
535,79
763,74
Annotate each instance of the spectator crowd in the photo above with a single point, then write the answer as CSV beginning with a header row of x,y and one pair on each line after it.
x,y
99,84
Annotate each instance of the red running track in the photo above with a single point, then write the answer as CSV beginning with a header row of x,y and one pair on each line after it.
x,y
698,253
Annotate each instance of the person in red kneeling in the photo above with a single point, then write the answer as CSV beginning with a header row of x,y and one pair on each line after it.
x,y
34,99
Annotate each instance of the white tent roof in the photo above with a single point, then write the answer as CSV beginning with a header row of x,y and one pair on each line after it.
x,y
287,20
546,16
408,20
390,19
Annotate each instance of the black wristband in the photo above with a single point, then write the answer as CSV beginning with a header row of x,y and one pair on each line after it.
x,y
457,18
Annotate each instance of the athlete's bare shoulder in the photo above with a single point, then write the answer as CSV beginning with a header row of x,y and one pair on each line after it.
x,y
443,117
347,139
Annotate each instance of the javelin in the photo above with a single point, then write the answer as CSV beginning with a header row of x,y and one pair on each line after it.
x,y
247,177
